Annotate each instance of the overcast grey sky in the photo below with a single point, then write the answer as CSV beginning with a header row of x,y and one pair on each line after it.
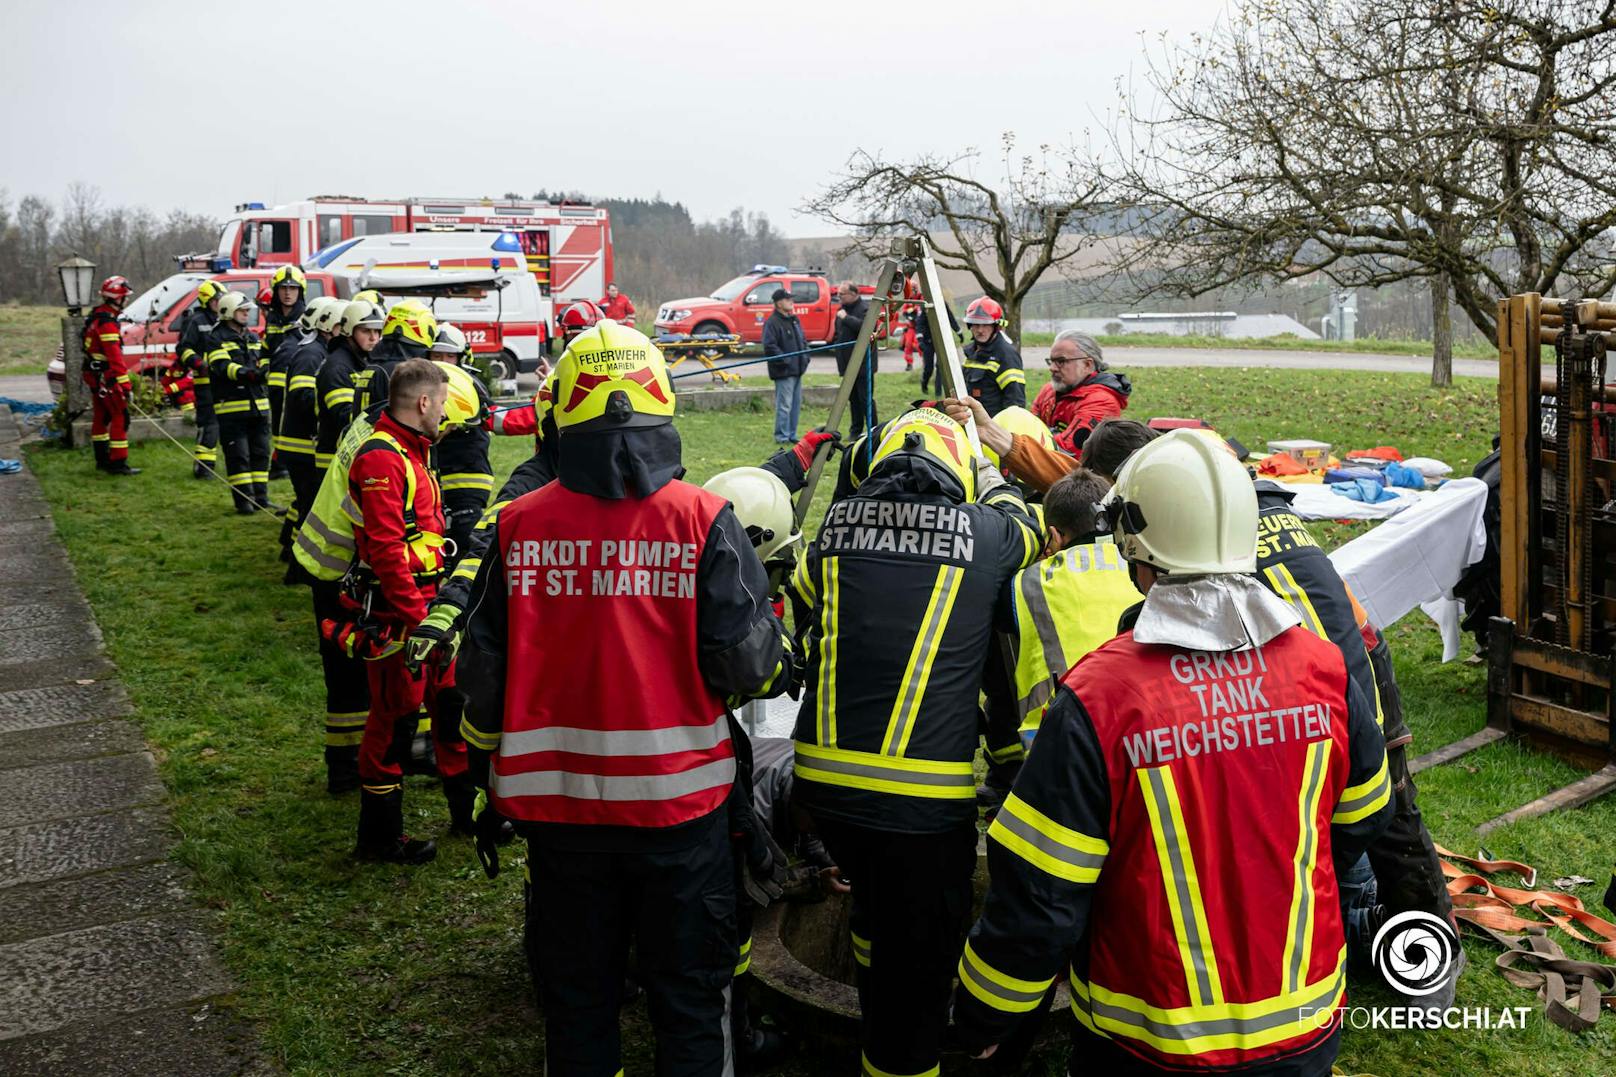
x,y
716,105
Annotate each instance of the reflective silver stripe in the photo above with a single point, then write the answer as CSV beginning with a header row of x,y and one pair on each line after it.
x,y
616,742
1358,803
1179,881
1043,621
891,773
612,787
352,511
1047,845
1304,870
1306,1012
861,949
1016,1000
325,560
321,528
942,601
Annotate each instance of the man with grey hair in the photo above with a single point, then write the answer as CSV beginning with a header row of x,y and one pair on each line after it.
x,y
1082,391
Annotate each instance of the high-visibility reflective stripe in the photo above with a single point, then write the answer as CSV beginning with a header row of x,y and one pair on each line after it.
x,y
861,948
277,379
382,789
100,437
1047,845
868,1069
616,787
467,568
110,336
1299,922
1043,622
331,562
299,381
616,742
1361,801
829,613
300,446
968,364
997,989
1183,886
466,480
333,397
744,961
901,723
1007,753
477,738
324,459
351,510
1292,592
802,581
241,478
259,476
931,778
1194,1030
1011,376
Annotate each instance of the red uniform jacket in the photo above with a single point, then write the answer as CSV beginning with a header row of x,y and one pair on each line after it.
x,y
618,310
397,510
103,344
651,746
1072,414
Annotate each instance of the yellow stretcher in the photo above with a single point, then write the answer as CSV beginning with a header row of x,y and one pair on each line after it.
x,y
708,349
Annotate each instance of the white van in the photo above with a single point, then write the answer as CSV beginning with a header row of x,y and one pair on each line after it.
x,y
508,327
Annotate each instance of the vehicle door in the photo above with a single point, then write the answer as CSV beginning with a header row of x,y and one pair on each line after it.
x,y
812,297
756,306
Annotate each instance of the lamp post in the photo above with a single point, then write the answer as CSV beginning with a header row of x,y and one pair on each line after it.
x,y
78,286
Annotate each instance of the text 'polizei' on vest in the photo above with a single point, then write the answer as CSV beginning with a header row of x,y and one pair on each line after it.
x,y
602,568
897,527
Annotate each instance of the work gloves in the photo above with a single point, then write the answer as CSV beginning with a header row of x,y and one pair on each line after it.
x,y
436,633
250,375
490,828
988,477
766,874
808,446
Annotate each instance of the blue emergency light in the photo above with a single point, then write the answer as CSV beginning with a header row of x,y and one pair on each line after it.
x,y
507,241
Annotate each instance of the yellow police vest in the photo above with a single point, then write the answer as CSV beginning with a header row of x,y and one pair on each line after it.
x,y
1066,606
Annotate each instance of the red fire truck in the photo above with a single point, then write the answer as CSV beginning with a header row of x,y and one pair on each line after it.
x,y
567,245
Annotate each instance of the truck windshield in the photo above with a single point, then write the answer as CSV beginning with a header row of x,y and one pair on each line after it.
x,y
734,288
155,302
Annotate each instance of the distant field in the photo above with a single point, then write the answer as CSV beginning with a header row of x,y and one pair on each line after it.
x,y
28,338
1283,343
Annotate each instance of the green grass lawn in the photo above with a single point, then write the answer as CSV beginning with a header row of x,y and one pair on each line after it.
x,y
29,337
1367,345
375,970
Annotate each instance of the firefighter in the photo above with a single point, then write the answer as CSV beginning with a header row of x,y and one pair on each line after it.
x,y
407,333
281,317
464,470
1082,392
905,585
993,371
191,355
398,543
107,375
349,355
295,437
1192,943
236,375
1069,603
354,328
620,783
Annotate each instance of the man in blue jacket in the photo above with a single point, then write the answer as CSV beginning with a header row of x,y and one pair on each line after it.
x,y
783,337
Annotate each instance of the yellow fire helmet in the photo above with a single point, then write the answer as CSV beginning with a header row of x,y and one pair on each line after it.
x,y
369,295
411,319
1023,422
544,404
209,290
289,275
931,435
611,377
464,405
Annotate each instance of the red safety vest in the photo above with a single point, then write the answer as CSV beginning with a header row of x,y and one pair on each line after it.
x,y
1217,937
608,719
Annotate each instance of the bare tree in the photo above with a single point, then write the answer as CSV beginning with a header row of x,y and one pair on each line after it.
x,y
1005,236
1464,142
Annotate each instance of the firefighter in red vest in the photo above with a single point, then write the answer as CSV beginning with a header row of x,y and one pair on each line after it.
x,y
399,543
613,754
1176,832
107,375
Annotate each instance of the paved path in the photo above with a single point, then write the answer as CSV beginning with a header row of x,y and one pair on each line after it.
x,y
106,965
27,387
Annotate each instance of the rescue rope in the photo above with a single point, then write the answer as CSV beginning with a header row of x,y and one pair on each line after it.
x,y
1572,992
211,469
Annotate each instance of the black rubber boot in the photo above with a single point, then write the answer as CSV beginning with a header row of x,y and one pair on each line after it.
x,y
103,455
341,770
122,468
462,796
381,831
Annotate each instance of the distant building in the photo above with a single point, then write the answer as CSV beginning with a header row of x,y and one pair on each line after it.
x,y
1218,323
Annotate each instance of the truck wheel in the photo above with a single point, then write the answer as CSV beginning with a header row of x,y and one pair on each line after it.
x,y
709,327
501,367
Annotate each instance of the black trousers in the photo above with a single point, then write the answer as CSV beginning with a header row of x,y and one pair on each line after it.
x,y
928,363
461,511
673,898
859,405
347,687
207,427
305,482
1408,872
911,909
244,443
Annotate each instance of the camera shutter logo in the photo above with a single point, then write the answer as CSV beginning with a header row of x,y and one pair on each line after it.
x,y
1416,952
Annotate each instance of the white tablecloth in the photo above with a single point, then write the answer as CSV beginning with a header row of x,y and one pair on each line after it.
x,y
1416,557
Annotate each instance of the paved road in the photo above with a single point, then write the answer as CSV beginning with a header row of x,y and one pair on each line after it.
x,y
27,387
106,966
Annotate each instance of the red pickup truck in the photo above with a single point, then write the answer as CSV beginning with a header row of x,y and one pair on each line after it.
x,y
741,306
